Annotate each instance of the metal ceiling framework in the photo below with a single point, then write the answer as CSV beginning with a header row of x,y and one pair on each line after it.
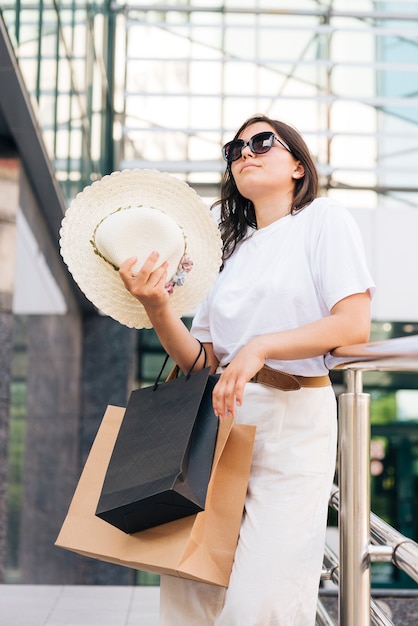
x,y
164,85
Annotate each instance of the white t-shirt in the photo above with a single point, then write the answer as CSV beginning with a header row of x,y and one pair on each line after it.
x,y
283,276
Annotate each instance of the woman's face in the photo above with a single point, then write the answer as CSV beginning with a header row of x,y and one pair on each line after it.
x,y
258,175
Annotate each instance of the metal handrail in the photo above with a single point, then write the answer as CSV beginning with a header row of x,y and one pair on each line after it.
x,y
378,617
355,533
404,550
322,616
389,545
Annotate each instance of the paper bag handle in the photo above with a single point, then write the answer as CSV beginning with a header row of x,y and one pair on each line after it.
x,y
176,370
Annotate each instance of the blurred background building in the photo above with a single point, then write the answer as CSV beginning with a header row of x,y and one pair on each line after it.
x,y
87,88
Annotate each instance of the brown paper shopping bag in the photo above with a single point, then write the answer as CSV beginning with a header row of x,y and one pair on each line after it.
x,y
199,547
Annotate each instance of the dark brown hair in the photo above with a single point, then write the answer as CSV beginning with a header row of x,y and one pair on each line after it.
x,y
237,212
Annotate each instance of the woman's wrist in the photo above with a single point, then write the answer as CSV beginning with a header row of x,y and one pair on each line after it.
x,y
159,313
259,346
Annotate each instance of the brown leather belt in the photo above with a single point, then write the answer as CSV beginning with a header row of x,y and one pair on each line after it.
x,y
288,382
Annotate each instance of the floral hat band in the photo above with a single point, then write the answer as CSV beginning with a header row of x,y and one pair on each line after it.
x,y
136,232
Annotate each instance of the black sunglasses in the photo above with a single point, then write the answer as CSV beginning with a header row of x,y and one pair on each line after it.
x,y
259,144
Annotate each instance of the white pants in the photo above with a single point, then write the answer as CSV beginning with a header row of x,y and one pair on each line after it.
x,y
278,561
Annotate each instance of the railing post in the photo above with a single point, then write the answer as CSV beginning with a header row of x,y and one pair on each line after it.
x,y
354,509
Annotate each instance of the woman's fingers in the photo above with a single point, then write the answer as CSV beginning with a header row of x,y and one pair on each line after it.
x,y
125,270
228,394
148,283
145,271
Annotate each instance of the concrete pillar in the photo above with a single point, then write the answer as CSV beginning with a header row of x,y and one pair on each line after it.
x,y
76,367
51,445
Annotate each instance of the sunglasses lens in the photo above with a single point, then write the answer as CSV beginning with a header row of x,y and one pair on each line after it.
x,y
262,142
232,150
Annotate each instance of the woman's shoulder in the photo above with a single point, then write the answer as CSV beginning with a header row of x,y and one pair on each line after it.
x,y
324,204
325,219
324,209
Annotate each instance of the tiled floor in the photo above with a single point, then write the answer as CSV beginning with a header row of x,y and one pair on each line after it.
x,y
49,605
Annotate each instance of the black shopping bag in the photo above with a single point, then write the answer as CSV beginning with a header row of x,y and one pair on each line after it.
x,y
162,459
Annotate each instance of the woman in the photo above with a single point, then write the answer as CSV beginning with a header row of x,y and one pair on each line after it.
x,y
294,285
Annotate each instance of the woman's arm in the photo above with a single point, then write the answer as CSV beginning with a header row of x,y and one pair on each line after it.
x,y
148,286
348,323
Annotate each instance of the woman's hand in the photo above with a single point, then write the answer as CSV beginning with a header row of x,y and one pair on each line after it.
x,y
229,390
148,286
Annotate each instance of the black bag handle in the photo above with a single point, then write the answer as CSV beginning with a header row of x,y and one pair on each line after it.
x,y
175,371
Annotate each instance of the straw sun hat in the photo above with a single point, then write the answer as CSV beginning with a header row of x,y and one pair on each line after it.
x,y
131,213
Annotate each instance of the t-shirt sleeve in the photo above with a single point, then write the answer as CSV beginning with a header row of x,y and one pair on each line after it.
x,y
339,260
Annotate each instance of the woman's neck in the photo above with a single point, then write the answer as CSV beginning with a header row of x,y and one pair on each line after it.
x,y
267,213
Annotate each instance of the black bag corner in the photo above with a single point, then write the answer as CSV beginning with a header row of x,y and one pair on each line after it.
x,y
162,460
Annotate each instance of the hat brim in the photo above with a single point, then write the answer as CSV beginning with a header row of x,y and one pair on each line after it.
x,y
100,283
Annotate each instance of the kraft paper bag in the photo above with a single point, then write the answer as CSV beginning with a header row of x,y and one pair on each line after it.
x,y
198,547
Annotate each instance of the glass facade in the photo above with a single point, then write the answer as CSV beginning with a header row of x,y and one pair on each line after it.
x,y
164,85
